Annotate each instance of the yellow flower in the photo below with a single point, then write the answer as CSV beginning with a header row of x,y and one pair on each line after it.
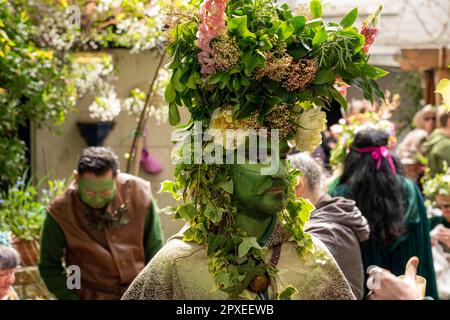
x,y
443,88
311,123
221,121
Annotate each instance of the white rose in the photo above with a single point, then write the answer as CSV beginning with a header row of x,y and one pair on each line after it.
x,y
309,133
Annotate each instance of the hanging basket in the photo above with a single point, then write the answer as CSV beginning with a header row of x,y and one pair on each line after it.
x,y
28,250
95,133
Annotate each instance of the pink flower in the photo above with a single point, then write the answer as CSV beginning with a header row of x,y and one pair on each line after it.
x,y
369,30
341,86
212,14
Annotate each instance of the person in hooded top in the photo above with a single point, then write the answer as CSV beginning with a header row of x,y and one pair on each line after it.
x,y
411,149
391,203
336,221
437,145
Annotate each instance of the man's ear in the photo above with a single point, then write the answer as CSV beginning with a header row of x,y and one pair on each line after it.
x,y
300,187
75,176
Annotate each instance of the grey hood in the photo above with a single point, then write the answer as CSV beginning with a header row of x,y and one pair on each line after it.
x,y
341,211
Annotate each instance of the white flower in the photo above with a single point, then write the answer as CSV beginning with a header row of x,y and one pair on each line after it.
x,y
309,133
107,107
225,131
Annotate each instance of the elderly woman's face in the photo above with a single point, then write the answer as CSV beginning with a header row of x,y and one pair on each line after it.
x,y
429,121
7,279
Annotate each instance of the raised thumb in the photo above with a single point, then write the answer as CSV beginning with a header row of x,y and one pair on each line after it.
x,y
411,268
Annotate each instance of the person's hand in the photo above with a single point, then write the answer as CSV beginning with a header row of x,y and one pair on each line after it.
x,y
386,286
444,236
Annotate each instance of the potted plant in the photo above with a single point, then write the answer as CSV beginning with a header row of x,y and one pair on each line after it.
x,y
23,215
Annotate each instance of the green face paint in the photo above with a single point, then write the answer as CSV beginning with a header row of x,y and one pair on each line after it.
x,y
97,192
260,196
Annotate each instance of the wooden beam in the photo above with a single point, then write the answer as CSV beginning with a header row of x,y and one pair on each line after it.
x,y
424,59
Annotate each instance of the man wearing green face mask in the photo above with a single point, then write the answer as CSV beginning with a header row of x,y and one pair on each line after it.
x,y
106,224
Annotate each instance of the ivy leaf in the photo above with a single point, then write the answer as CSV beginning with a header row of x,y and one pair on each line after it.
x,y
287,293
215,78
325,76
170,93
187,212
320,37
286,30
227,186
315,6
246,245
212,213
174,114
349,19
215,241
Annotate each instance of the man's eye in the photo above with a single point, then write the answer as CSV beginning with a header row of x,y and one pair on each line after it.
x,y
90,193
106,193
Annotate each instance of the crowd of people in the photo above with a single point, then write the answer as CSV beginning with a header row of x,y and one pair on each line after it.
x,y
371,215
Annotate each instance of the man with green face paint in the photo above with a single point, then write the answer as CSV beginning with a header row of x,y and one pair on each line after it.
x,y
107,227
180,269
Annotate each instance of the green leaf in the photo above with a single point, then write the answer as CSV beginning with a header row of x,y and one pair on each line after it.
x,y
349,19
187,211
339,98
170,93
214,242
299,24
236,84
372,71
311,24
212,213
325,76
320,37
227,186
239,25
288,293
298,53
246,245
176,81
244,81
249,64
286,30
315,6
174,114
215,78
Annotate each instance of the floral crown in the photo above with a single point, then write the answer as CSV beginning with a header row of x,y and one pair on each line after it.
x,y
346,130
244,64
438,185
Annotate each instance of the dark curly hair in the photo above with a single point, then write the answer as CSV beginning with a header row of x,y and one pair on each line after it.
x,y
377,193
98,160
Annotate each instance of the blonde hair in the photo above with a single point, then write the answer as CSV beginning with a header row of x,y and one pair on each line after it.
x,y
419,117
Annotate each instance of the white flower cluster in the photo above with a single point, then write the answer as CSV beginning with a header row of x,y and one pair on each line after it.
x,y
89,72
107,106
139,36
158,108
107,5
55,32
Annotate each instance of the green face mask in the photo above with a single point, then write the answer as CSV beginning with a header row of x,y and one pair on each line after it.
x,y
97,192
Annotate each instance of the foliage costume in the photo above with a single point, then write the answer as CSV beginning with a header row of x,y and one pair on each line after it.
x,y
249,69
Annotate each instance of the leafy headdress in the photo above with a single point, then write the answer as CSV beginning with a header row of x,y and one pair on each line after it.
x,y
249,64
437,185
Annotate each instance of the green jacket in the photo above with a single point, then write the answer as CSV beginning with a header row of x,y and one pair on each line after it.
x,y
415,242
437,147
53,243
